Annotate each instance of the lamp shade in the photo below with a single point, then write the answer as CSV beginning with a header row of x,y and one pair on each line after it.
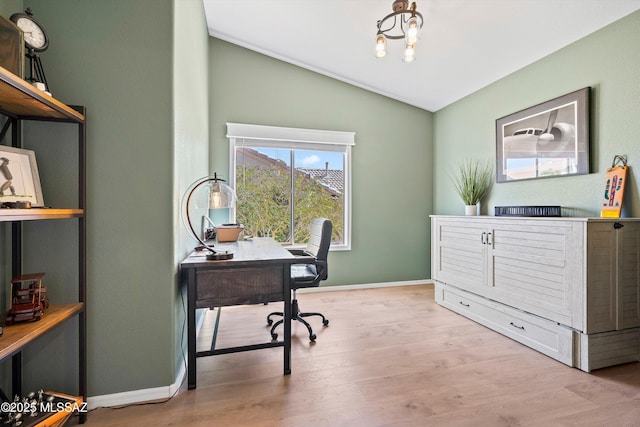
x,y
209,192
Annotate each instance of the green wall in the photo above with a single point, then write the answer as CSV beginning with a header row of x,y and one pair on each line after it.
x,y
116,58
392,158
608,61
191,134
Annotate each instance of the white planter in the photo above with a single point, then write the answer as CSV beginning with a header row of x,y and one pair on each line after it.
x,y
471,210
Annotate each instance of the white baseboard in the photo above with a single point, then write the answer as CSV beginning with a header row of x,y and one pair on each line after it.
x,y
137,396
166,392
366,286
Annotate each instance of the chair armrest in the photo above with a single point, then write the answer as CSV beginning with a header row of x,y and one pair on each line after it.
x,y
321,269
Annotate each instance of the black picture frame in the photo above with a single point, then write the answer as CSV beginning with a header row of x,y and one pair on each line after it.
x,y
547,140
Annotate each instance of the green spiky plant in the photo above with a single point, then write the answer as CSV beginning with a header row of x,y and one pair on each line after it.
x,y
473,180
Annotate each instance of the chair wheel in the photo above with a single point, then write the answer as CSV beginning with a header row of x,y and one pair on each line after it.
x,y
325,322
274,336
312,337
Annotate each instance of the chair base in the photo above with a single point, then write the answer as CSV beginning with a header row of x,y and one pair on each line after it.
x,y
295,315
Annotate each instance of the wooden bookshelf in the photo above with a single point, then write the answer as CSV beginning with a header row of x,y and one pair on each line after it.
x,y
19,335
19,102
38,213
19,98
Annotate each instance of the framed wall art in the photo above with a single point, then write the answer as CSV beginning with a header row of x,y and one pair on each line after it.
x,y
19,178
547,140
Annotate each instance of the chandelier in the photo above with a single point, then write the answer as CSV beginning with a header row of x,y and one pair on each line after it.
x,y
404,23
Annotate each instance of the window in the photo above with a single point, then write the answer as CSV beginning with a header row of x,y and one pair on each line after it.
x,y
285,177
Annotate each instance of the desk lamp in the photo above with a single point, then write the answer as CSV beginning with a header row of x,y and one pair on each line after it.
x,y
218,196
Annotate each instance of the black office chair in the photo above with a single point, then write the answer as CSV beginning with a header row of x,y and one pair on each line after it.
x,y
308,275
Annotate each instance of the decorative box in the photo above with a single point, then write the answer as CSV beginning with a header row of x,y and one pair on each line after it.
x,y
228,232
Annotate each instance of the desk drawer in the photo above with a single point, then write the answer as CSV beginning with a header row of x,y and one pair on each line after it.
x,y
221,287
540,334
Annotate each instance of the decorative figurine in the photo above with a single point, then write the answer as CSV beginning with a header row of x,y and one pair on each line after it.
x,y
28,298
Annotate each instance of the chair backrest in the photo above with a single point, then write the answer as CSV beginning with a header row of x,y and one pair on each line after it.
x,y
318,245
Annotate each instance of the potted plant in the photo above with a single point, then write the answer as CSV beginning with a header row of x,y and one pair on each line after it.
x,y
472,183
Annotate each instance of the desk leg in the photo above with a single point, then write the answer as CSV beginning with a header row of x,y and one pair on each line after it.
x,y
190,277
287,319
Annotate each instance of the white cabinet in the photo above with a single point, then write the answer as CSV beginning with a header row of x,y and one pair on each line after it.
x,y
550,283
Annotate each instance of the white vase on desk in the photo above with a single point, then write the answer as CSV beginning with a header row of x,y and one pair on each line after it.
x,y
471,210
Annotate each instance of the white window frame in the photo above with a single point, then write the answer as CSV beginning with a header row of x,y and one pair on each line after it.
x,y
249,135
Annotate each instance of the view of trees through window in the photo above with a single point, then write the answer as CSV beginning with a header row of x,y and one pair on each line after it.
x,y
270,206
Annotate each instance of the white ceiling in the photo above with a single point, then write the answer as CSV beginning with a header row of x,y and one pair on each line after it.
x,y
464,45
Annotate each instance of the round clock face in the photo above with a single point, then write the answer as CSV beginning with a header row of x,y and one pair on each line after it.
x,y
34,36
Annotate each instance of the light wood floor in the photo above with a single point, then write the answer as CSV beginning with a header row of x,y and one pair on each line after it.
x,y
389,357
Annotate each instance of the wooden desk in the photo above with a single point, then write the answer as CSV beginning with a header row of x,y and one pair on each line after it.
x,y
259,272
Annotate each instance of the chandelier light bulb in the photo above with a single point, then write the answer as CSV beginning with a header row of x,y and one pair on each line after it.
x,y
411,35
381,46
409,53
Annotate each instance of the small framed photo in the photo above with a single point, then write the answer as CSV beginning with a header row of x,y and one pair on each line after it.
x,y
19,178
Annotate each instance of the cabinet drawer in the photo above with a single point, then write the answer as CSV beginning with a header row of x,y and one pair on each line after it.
x,y
220,287
540,334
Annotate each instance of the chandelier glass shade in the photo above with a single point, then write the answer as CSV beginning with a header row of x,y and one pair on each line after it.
x,y
404,23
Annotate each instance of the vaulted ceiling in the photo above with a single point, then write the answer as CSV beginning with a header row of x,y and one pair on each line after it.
x,y
464,44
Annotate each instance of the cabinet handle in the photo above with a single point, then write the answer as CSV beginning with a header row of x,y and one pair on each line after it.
x,y
462,303
618,225
516,326
489,239
483,238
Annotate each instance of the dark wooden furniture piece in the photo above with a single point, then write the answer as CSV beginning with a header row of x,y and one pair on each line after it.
x,y
259,272
19,102
308,275
27,298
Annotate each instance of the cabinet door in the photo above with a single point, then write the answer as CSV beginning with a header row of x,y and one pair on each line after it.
x,y
601,277
459,253
537,267
628,283
613,284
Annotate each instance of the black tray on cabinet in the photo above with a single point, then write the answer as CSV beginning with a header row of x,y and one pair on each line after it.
x,y
546,211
